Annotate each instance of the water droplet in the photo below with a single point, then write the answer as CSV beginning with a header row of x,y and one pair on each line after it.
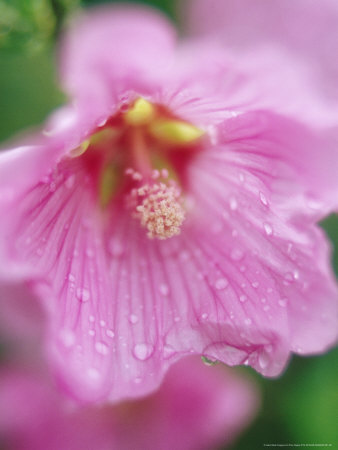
x,y
263,299
164,289
233,204
267,228
67,337
110,333
101,348
248,321
236,254
69,183
143,351
137,380
221,283
82,294
89,253
133,318
282,302
266,308
102,323
263,359
209,362
204,316
255,284
93,374
243,298
71,278
242,269
263,199
92,333
168,351
91,318
177,319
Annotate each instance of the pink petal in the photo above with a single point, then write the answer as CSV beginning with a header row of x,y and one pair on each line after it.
x,y
196,407
22,166
306,28
241,284
113,51
241,189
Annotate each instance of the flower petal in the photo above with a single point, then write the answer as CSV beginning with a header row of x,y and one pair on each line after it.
x,y
241,284
114,50
306,28
202,410
253,193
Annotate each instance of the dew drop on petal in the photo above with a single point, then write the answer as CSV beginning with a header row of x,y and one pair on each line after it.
x,y
164,289
93,374
255,284
221,283
243,298
133,318
110,333
71,278
263,199
282,302
267,228
236,254
101,348
82,294
143,351
263,360
67,337
209,362
69,183
233,204
248,321
168,351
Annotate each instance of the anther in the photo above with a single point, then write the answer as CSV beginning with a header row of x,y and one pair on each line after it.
x,y
159,209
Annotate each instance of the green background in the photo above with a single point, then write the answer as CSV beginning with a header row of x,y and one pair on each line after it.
x,y
301,406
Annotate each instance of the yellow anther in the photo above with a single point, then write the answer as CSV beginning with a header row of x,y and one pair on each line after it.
x,y
141,113
175,131
78,151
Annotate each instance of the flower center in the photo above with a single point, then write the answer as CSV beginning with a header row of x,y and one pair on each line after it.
x,y
141,155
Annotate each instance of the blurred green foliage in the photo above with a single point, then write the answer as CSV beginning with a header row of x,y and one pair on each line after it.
x,y
301,406
31,24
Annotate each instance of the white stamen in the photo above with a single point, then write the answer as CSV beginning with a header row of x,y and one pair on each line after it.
x,y
159,208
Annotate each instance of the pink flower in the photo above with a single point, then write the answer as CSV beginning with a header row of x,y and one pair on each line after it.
x,y
306,29
195,408
172,208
